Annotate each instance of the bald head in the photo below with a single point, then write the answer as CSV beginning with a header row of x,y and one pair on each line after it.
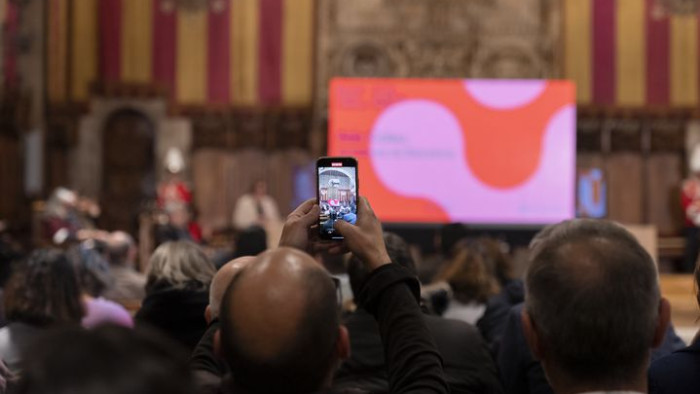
x,y
119,247
222,280
279,323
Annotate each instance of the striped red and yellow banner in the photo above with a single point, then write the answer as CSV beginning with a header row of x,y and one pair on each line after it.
x,y
631,53
232,52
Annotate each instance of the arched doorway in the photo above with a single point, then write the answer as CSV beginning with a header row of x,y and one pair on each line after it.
x,y
128,171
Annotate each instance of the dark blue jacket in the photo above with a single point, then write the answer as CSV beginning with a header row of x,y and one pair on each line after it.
x,y
522,373
676,373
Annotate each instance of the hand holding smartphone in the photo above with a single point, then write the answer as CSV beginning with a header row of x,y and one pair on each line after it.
x,y
337,193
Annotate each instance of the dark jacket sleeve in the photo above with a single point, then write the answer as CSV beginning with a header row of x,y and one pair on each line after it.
x,y
203,357
414,365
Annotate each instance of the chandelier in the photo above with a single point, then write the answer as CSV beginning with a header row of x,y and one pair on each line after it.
x,y
216,6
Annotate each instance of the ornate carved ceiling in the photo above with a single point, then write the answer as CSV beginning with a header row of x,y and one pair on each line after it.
x,y
437,38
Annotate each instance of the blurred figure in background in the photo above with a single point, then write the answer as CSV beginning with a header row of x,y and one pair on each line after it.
x,y
59,221
127,283
107,360
257,208
43,292
445,240
69,217
471,282
174,225
690,201
468,365
500,265
173,191
249,242
94,277
177,294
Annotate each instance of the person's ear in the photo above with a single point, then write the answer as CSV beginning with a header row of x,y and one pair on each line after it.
x,y
343,343
532,336
662,322
207,314
218,351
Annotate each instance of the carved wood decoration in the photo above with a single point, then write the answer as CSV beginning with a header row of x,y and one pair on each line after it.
x,y
642,155
128,179
437,38
272,129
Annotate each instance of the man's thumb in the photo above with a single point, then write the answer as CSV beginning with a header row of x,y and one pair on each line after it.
x,y
342,226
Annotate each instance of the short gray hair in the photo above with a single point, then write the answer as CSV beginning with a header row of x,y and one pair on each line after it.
x,y
181,264
592,293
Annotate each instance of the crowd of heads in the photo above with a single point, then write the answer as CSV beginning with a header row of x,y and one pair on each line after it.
x,y
592,307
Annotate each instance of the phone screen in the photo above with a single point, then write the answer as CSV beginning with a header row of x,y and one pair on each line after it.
x,y
337,193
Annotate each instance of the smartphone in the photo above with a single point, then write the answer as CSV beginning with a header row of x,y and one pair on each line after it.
x,y
337,191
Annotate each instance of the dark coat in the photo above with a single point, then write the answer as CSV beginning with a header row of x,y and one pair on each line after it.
x,y
178,312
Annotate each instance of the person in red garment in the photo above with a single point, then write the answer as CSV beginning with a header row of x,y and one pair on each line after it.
x,y
173,191
175,199
690,201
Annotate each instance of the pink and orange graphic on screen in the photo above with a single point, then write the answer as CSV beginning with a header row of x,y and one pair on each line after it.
x,y
473,151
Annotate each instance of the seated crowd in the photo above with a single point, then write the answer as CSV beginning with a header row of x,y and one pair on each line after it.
x,y
587,317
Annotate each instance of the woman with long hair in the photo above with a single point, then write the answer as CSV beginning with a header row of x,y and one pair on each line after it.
x,y
471,282
42,292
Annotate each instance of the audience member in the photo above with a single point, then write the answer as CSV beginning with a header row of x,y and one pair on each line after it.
x,y
512,291
250,242
471,282
93,275
496,259
174,225
593,308
207,367
521,372
678,372
467,362
177,292
445,239
280,325
127,283
255,208
42,292
59,221
107,360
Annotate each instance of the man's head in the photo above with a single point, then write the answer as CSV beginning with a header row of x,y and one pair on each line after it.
x,y
220,283
106,360
280,329
398,252
593,308
121,249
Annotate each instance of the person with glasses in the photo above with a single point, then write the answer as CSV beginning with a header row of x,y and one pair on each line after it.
x,y
280,319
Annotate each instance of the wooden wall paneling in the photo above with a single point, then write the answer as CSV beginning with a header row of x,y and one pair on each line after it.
x,y
209,183
243,167
10,178
663,194
281,167
249,129
624,171
290,129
